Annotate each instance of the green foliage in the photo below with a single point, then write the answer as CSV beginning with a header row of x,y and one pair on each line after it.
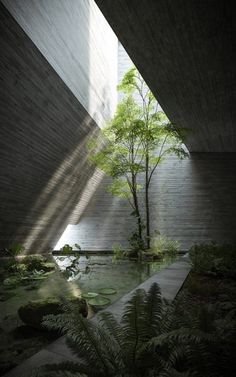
x,y
11,282
136,141
12,252
15,249
12,265
68,249
34,262
161,244
118,251
218,322
121,189
212,258
32,312
201,287
136,244
148,341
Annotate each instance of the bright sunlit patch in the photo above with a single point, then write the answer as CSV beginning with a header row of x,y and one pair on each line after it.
x,y
48,204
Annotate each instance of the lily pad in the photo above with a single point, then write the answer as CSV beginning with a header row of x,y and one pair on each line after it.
x,y
89,295
99,301
107,291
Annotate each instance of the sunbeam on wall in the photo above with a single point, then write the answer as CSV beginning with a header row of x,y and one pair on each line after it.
x,y
71,182
58,74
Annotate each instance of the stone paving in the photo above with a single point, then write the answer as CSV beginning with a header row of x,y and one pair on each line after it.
x,y
170,281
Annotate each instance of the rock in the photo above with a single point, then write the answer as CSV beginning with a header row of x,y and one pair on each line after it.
x,y
33,312
11,282
48,266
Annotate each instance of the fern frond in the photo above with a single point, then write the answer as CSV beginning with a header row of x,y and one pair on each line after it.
x,y
153,308
182,336
108,321
85,340
56,322
133,325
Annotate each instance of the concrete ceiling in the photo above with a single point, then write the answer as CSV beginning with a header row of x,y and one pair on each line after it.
x,y
184,50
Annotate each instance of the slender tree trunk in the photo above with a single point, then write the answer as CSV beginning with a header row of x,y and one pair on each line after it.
x,y
147,203
136,205
147,215
139,221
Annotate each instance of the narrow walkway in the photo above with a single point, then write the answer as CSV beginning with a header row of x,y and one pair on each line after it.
x,y
170,281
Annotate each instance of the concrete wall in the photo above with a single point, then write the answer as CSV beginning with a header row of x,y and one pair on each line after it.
x,y
77,41
184,49
49,90
191,201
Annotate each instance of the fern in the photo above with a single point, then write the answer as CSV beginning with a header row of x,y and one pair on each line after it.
x,y
134,326
154,338
108,321
153,311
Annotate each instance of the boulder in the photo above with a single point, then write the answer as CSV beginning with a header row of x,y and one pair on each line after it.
x,y
33,312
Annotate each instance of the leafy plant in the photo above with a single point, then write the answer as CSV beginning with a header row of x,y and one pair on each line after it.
x,y
15,249
136,245
136,141
118,252
161,244
34,262
200,287
145,342
68,249
214,259
12,265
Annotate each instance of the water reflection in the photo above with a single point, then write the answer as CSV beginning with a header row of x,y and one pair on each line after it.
x,y
96,272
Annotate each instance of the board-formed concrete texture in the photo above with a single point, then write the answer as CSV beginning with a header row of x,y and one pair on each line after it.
x,y
191,201
184,49
79,44
44,168
58,70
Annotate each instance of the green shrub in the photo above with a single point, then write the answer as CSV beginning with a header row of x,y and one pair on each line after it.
x,y
118,251
15,249
34,262
68,249
213,258
202,288
161,244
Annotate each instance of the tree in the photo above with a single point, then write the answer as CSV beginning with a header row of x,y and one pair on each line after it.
x,y
159,137
121,156
138,139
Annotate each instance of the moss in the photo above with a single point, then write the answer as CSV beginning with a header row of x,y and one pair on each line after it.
x,y
33,312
